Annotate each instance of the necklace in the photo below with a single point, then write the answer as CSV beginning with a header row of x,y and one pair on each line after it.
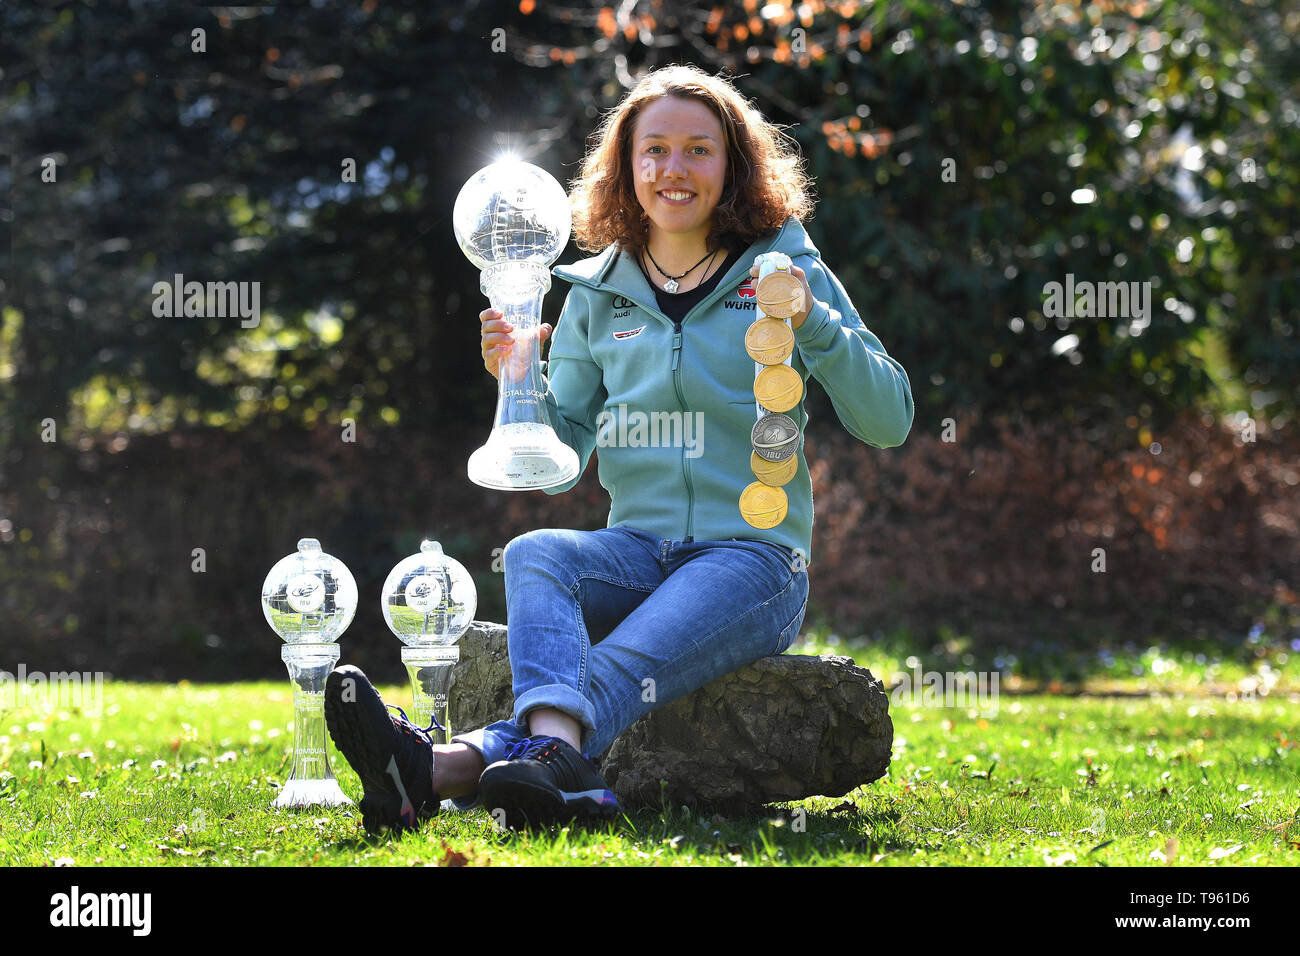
x,y
671,285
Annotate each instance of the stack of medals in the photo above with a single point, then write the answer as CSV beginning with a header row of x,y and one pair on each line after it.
x,y
777,389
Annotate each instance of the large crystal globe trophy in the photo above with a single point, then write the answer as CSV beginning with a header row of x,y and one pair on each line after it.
x,y
429,600
512,220
309,599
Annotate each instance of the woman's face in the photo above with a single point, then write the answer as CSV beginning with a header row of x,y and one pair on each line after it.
x,y
679,147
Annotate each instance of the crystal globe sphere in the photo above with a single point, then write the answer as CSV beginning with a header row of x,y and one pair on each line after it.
x,y
511,211
309,597
429,598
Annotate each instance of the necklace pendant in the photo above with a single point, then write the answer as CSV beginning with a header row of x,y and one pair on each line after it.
x,y
670,286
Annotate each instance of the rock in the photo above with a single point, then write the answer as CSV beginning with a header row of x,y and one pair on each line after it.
x,y
782,728
481,687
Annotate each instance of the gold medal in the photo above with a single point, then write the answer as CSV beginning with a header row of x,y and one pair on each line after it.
x,y
775,473
769,341
778,388
763,506
780,295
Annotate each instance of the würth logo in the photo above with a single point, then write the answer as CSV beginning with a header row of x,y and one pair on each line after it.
x,y
629,333
746,290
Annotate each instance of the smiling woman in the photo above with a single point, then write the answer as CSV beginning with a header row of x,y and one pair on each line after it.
x,y
686,187
686,172
681,169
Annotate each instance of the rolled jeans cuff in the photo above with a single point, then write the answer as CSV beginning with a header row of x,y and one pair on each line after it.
x,y
491,743
564,699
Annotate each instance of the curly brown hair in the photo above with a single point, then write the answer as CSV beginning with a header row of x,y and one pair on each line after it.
x,y
766,182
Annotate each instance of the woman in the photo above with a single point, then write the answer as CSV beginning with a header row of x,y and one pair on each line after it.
x,y
685,187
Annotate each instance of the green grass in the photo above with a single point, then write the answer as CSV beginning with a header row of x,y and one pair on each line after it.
x,y
1266,660
185,775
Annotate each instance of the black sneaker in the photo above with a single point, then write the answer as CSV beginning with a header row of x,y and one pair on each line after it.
x,y
392,756
545,780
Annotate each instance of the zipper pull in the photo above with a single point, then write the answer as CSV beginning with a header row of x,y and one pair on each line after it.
x,y
677,349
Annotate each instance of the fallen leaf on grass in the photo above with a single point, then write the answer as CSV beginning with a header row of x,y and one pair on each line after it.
x,y
452,857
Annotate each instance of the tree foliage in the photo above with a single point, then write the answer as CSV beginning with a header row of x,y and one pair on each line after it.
x,y
966,155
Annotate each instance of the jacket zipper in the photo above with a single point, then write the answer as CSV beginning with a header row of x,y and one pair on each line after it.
x,y
709,301
686,465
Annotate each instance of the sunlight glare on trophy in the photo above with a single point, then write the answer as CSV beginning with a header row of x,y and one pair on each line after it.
x,y
511,219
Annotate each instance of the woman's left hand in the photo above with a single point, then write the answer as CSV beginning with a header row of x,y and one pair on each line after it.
x,y
808,300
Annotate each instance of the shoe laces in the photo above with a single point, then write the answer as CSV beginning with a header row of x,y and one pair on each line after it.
x,y
409,725
536,748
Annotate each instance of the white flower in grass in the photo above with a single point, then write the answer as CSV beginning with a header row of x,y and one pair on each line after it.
x,y
1219,852
65,861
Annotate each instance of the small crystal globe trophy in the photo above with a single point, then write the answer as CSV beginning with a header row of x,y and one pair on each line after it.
x,y
512,220
309,599
429,600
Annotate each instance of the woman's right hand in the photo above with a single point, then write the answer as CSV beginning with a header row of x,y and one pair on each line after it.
x,y
498,341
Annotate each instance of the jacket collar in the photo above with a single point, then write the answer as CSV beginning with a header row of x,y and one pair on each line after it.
x,y
613,270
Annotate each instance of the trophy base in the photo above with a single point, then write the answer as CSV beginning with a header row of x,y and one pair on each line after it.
x,y
523,457
312,793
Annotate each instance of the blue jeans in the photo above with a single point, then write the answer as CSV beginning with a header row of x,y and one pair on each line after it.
x,y
608,625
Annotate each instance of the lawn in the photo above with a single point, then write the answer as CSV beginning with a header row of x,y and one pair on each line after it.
x,y
1165,766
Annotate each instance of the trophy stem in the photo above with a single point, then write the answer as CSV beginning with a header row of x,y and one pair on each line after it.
x,y
429,668
523,452
516,290
312,783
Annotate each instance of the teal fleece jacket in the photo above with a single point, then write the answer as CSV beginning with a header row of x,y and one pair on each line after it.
x,y
672,408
